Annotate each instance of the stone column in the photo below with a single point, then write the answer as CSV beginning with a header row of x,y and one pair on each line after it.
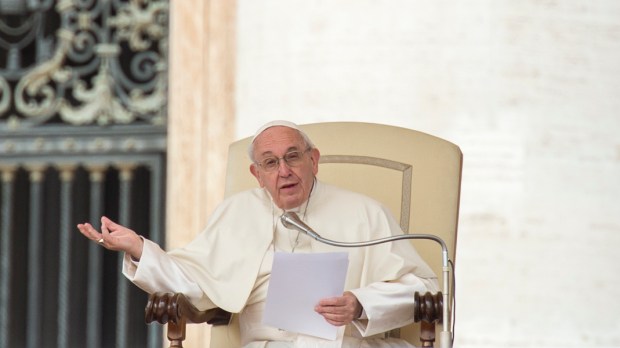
x,y
201,119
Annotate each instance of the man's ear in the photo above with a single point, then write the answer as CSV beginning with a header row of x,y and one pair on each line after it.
x,y
254,171
315,156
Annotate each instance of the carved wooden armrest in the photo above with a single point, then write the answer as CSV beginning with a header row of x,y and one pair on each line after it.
x,y
175,310
428,307
428,310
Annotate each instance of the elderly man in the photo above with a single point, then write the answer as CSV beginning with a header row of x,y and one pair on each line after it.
x,y
228,265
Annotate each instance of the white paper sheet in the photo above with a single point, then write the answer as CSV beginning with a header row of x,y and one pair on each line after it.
x,y
297,283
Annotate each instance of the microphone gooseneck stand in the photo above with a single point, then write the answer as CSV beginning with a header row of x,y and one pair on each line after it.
x,y
290,220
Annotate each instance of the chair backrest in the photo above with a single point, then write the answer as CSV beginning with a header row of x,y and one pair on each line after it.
x,y
416,175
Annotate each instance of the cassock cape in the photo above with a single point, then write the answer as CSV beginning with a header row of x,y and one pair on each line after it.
x,y
224,259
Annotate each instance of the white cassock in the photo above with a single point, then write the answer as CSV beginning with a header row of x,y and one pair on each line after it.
x,y
229,263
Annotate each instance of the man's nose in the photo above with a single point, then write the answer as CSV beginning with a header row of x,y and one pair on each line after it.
x,y
283,168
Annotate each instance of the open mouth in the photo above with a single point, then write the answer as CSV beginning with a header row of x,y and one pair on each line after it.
x,y
288,186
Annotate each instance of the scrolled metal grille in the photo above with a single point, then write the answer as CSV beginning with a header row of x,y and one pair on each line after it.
x,y
82,134
82,62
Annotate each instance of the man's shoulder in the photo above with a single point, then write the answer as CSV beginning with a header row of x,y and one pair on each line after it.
x,y
241,204
243,200
252,195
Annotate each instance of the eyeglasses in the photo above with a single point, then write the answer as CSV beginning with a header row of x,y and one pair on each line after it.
x,y
292,159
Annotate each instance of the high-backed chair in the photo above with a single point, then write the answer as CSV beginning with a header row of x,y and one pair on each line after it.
x,y
416,175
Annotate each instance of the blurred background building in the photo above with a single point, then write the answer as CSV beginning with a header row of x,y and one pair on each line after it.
x,y
83,113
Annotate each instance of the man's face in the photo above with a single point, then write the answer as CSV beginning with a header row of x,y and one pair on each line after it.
x,y
289,186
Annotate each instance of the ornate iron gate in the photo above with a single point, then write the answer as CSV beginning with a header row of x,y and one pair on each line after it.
x,y
82,134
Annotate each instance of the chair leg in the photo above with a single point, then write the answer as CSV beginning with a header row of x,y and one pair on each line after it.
x,y
427,334
176,334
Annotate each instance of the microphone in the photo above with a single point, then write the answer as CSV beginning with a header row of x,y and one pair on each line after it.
x,y
292,221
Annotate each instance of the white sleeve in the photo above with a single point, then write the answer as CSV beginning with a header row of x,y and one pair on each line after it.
x,y
389,305
157,272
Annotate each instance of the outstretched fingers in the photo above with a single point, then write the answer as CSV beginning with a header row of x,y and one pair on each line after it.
x,y
89,231
105,233
110,225
114,237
